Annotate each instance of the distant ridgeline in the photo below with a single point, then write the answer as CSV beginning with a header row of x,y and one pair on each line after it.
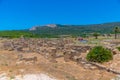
x,y
56,30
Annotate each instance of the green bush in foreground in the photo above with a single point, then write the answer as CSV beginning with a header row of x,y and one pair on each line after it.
x,y
99,54
118,48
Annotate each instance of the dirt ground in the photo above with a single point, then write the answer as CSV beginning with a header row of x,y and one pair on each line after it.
x,y
12,66
61,70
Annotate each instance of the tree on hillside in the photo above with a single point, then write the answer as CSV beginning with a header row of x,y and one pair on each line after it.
x,y
96,35
116,30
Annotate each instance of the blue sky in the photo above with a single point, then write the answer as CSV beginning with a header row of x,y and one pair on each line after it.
x,y
23,14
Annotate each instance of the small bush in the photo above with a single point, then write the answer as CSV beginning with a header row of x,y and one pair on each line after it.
x,y
118,48
99,54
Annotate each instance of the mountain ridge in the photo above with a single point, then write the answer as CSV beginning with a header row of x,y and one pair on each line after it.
x,y
58,29
65,25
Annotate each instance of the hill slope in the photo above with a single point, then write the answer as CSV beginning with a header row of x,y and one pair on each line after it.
x,y
56,29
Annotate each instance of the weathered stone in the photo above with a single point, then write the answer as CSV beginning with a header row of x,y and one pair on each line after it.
x,y
115,51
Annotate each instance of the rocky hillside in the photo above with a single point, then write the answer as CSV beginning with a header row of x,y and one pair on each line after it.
x,y
58,29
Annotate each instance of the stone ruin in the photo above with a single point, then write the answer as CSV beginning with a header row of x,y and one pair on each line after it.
x,y
53,49
26,59
50,49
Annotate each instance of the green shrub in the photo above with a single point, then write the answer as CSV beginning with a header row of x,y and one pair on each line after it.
x,y
99,54
118,48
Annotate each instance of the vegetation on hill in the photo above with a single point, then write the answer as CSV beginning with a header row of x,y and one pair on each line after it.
x,y
15,34
77,30
58,30
18,34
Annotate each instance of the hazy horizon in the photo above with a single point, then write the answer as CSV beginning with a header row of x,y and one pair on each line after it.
x,y
23,14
